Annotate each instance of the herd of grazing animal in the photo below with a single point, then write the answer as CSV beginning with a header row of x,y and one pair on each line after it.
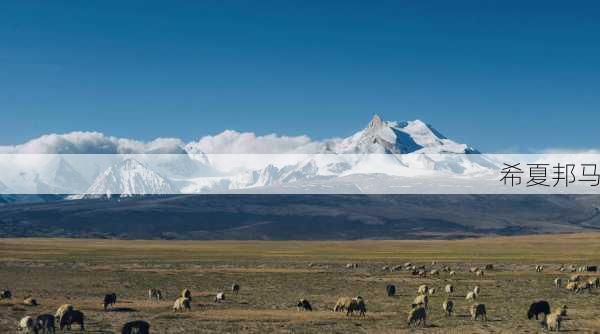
x,y
67,315
551,319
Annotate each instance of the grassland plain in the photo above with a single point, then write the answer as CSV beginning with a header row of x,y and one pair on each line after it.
x,y
274,274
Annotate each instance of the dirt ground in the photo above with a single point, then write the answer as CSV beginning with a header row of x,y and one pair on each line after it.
x,y
274,275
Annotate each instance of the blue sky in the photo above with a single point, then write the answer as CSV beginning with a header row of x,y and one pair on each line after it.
x,y
498,75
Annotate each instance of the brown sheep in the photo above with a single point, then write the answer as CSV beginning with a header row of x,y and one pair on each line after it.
x,y
571,286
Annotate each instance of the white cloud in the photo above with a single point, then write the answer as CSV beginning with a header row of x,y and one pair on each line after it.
x,y
226,142
230,141
92,143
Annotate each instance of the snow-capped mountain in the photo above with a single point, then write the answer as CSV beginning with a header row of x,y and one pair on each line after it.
x,y
128,178
59,176
168,166
398,138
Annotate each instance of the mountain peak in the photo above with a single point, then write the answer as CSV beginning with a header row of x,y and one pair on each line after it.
x,y
130,177
375,121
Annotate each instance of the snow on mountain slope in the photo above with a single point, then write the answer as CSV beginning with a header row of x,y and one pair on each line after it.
x,y
61,177
130,177
238,161
399,138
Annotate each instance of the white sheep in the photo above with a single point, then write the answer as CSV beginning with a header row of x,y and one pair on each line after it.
x,y
220,297
182,304
557,282
448,307
552,321
421,300
27,325
471,296
62,310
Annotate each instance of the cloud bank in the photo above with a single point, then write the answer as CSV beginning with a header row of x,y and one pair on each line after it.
x,y
228,141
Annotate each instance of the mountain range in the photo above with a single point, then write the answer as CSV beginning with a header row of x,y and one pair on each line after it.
x,y
229,186
384,148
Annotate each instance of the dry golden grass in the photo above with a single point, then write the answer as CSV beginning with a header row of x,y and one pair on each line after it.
x,y
273,275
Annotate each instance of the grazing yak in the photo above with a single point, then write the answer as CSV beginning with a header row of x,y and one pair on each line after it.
x,y
44,323
5,294
62,310
182,304
478,311
538,307
72,317
136,327
154,294
304,305
357,305
109,300
391,290
417,317
235,288
220,297
27,324
448,307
